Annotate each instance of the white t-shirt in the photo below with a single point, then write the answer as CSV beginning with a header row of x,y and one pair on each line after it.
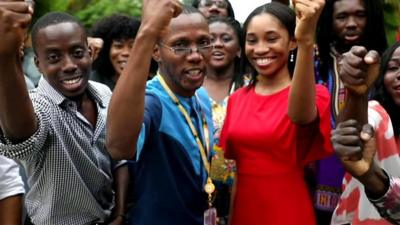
x,y
10,180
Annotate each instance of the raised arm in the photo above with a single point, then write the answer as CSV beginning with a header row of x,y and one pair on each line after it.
x,y
302,107
358,69
125,115
17,118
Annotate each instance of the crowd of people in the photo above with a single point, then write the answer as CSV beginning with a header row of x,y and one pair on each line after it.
x,y
187,117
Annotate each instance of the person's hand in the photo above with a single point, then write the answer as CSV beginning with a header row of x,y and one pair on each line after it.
x,y
95,45
355,147
358,69
307,14
15,17
157,14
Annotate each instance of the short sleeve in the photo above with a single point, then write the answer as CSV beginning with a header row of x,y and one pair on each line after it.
x,y
314,139
10,181
151,121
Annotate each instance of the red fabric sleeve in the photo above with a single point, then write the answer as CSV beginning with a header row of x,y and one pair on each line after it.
x,y
313,140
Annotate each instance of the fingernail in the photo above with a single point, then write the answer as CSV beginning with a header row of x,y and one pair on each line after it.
x,y
365,136
31,4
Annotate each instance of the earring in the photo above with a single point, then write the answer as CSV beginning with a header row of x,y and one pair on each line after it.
x,y
291,56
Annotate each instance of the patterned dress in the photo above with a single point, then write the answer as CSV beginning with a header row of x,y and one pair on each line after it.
x,y
354,206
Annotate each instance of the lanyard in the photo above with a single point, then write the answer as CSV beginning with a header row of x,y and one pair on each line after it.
x,y
202,148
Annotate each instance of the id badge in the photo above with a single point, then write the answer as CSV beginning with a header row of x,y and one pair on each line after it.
x,y
210,216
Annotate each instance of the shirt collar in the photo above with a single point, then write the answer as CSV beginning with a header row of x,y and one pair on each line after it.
x,y
45,88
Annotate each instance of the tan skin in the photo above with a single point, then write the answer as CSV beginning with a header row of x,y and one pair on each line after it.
x,y
62,55
11,210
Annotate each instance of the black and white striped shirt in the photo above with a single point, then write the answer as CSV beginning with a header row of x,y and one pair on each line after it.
x,y
69,170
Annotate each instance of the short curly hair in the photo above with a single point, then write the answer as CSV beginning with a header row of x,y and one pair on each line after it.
x,y
50,19
117,27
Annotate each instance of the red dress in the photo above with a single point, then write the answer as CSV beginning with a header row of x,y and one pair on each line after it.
x,y
270,152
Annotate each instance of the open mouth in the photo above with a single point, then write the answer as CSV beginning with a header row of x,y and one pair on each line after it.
x,y
217,55
262,62
122,64
72,83
351,37
194,74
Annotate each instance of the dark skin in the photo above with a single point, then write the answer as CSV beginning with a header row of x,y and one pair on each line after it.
x,y
121,176
11,210
63,56
354,142
18,121
156,17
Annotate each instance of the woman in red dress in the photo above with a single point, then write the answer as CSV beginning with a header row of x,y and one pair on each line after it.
x,y
279,122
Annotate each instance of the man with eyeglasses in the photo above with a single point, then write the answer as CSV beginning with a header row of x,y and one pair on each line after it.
x,y
165,126
214,8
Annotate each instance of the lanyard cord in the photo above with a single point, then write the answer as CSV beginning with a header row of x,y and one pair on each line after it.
x,y
202,149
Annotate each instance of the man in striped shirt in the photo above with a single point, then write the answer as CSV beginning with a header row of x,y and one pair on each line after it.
x,y
58,129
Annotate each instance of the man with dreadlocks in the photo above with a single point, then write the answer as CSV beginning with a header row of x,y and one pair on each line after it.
x,y
343,24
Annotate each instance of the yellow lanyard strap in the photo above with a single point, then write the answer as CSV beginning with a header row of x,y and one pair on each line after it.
x,y
203,150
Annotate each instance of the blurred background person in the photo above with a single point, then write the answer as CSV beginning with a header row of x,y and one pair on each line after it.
x,y
224,76
118,33
343,24
214,8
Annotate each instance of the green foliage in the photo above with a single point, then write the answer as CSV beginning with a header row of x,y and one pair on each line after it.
x,y
94,11
392,19
187,2
89,11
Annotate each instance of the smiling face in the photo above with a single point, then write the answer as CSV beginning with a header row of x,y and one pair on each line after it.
x,y
226,45
62,56
349,21
392,77
268,44
184,73
119,54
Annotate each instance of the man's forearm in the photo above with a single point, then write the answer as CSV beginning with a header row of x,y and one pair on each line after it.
x,y
17,117
11,210
121,182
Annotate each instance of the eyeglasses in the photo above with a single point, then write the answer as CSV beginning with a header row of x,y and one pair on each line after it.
x,y
185,51
219,4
